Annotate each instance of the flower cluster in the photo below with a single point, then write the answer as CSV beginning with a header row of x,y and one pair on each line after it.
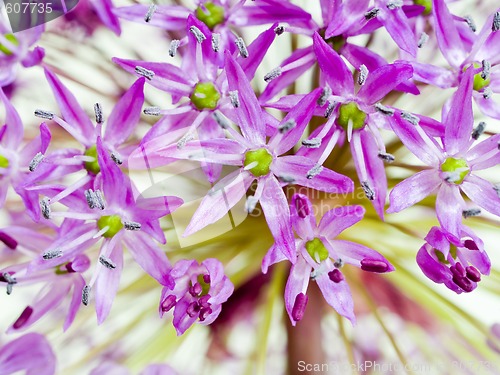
x,y
72,206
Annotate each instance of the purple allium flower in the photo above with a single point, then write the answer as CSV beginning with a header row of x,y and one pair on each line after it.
x,y
59,282
452,165
357,116
482,53
120,219
201,82
258,160
320,257
456,262
219,16
30,353
196,292
16,49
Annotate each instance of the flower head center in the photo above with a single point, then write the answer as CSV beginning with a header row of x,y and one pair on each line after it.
x,y
425,3
92,166
113,222
205,95
259,162
350,113
12,39
4,162
211,16
455,170
317,250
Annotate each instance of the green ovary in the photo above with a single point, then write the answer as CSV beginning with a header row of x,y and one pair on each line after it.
x,y
263,159
212,16
425,3
457,170
317,250
479,82
4,162
11,38
114,222
205,95
92,166
350,112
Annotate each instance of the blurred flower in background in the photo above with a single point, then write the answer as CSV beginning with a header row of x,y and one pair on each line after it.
x,y
245,181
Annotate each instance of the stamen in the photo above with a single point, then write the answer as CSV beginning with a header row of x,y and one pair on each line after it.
x,y
240,43
23,318
394,4
339,263
150,13
458,270
471,212
487,93
149,74
411,118
44,114
45,206
132,225
327,91
363,73
485,73
94,199
384,110
369,192
470,244
250,204
52,254
312,143
424,38
185,139
193,309
388,158
116,158
200,37
287,179
8,241
470,22
299,306
372,14
174,44
373,265
206,279
204,313
168,303
473,274
35,162
496,22
106,262
221,120
476,133
99,118
275,73
496,187
11,281
85,295
235,100
336,276
152,111
329,110
463,283
314,171
279,30
287,126
216,42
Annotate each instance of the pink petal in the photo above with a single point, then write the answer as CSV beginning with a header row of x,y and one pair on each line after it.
x,y
482,193
297,282
449,207
398,27
337,295
339,219
125,115
165,17
104,9
460,120
219,201
413,190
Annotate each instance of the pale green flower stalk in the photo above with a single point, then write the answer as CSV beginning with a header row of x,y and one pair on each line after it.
x,y
403,319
